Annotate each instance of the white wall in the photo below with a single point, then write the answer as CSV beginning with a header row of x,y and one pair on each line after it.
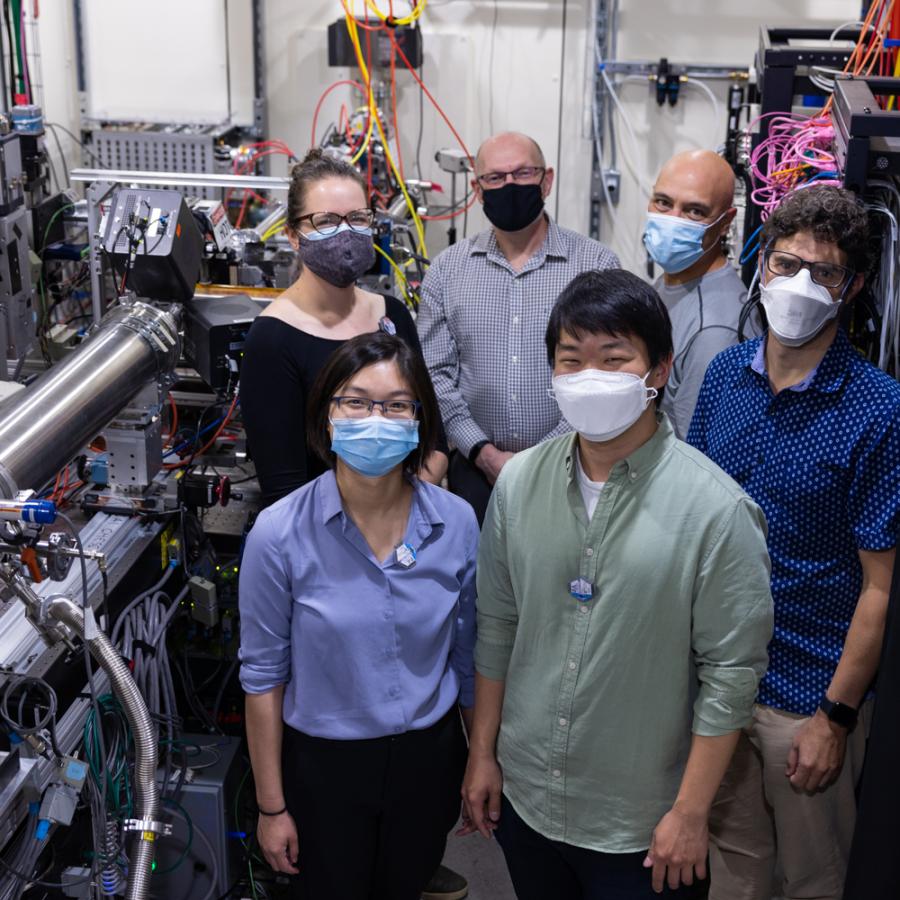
x,y
687,31
519,89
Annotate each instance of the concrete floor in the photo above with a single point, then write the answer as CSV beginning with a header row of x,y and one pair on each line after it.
x,y
481,862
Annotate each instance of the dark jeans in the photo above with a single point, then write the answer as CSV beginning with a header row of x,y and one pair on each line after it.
x,y
468,481
373,815
542,869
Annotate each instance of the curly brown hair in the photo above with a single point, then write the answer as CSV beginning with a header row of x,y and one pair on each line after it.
x,y
830,214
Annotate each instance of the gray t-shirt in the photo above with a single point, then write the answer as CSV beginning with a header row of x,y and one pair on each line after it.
x,y
705,316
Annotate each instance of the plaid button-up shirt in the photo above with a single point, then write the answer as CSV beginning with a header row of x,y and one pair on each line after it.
x,y
482,327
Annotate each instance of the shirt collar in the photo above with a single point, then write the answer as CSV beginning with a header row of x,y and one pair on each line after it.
x,y
485,244
827,377
423,510
639,463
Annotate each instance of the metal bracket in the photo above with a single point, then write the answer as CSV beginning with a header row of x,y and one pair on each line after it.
x,y
151,826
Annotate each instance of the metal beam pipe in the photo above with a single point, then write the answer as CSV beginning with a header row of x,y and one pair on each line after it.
x,y
45,425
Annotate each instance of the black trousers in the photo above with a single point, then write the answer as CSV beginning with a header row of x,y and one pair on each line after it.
x,y
373,815
468,481
542,869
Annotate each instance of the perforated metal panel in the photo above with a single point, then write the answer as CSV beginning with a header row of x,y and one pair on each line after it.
x,y
158,151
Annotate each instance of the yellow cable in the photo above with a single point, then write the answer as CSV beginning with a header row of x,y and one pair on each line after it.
x,y
896,74
353,33
415,13
407,290
365,144
274,229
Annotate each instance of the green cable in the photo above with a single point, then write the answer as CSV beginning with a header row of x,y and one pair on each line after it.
x,y
16,14
45,312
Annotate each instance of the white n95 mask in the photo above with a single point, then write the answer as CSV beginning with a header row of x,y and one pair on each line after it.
x,y
797,308
601,405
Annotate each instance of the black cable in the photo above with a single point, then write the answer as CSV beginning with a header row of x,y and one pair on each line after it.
x,y
12,52
86,607
421,121
562,84
491,70
47,884
81,143
222,687
62,157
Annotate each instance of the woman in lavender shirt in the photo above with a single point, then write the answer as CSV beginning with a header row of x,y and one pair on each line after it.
x,y
357,601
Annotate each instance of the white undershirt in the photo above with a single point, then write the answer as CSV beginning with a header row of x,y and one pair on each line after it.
x,y
590,490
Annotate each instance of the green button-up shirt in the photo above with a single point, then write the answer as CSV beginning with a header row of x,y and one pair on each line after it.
x,y
602,696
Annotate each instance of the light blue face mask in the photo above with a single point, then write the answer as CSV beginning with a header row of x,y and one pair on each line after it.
x,y
674,243
374,445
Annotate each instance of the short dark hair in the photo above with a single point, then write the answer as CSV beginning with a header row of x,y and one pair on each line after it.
x,y
315,166
359,352
616,302
827,212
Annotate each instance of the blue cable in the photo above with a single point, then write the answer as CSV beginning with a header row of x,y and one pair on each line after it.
x,y
195,439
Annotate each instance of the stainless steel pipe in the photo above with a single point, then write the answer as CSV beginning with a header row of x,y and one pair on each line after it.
x,y
43,427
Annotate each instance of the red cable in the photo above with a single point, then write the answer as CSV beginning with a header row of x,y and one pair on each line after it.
x,y
326,92
434,102
394,105
210,442
173,425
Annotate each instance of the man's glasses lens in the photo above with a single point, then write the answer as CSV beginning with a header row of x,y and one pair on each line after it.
x,y
787,264
525,175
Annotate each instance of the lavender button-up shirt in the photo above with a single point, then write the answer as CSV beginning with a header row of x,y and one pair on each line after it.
x,y
364,647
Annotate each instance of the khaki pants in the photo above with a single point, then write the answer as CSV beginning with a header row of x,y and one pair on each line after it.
x,y
758,816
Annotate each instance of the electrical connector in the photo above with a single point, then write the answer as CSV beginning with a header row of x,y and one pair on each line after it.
x,y
59,804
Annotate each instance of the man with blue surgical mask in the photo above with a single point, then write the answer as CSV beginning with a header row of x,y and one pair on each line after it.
x,y
811,431
689,213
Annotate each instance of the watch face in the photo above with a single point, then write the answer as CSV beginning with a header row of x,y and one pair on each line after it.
x,y
840,713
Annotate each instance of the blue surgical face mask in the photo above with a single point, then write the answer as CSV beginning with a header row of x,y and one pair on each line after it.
x,y
674,243
374,445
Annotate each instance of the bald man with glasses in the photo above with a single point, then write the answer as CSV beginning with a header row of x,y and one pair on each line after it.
x,y
485,306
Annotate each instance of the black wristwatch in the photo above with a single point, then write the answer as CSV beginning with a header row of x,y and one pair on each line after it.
x,y
839,713
476,449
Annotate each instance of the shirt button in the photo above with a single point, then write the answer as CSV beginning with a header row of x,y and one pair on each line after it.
x,y
556,773
633,475
394,690
515,320
387,613
515,359
513,397
515,434
563,722
589,551
583,609
571,663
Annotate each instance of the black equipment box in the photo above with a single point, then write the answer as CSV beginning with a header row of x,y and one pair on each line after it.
x,y
155,243
215,329
341,52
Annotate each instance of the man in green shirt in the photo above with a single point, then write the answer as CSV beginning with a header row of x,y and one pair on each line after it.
x,y
623,617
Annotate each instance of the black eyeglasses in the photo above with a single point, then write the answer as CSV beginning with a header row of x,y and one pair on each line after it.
x,y
329,222
525,175
829,275
361,407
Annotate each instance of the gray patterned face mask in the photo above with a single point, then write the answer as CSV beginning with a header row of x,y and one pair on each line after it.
x,y
339,258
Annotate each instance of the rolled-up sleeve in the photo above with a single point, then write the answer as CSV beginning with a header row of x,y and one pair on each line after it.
x,y
266,605
732,622
462,655
497,612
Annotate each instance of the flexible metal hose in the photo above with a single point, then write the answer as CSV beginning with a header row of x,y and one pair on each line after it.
x,y
146,791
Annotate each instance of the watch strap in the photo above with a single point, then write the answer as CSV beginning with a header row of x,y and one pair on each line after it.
x,y
840,713
476,449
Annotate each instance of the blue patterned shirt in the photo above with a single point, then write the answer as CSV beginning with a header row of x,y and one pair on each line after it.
x,y
822,459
